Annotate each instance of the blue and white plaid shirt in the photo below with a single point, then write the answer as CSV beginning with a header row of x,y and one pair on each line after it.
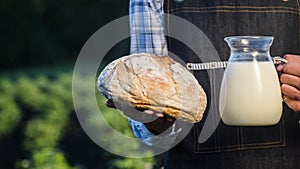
x,y
147,27
147,35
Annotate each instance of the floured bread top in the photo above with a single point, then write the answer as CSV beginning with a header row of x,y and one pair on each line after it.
x,y
148,81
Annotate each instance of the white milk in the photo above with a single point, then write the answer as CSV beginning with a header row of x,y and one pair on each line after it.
x,y
250,94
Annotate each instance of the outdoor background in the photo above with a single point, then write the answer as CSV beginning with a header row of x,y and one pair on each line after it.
x,y
39,43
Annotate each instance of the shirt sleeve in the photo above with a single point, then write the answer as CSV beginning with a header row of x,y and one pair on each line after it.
x,y
141,132
163,142
147,29
147,34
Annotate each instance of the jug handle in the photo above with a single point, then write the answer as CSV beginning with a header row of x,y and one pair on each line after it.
x,y
278,59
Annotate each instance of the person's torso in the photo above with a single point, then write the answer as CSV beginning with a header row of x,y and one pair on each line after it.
x,y
217,20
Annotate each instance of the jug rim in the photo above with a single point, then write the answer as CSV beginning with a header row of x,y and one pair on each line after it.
x,y
250,37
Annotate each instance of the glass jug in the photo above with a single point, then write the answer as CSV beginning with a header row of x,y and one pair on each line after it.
x,y
250,91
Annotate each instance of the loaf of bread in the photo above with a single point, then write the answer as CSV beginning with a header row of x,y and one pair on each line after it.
x,y
158,83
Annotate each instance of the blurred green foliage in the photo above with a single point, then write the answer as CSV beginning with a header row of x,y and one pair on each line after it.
x,y
39,43
39,123
9,111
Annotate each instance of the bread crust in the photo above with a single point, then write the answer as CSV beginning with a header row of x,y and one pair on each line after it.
x,y
159,83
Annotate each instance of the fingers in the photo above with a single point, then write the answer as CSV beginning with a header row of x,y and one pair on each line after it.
x,y
292,103
159,115
290,91
291,68
140,115
110,104
290,79
143,116
280,67
293,65
160,124
150,112
292,58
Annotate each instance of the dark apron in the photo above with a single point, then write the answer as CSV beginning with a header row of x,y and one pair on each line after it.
x,y
238,147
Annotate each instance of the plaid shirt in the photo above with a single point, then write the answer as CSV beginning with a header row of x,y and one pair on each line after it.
x,y
147,35
147,27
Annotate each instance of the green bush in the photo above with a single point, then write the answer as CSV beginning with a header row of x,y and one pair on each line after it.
x,y
10,115
45,159
38,108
